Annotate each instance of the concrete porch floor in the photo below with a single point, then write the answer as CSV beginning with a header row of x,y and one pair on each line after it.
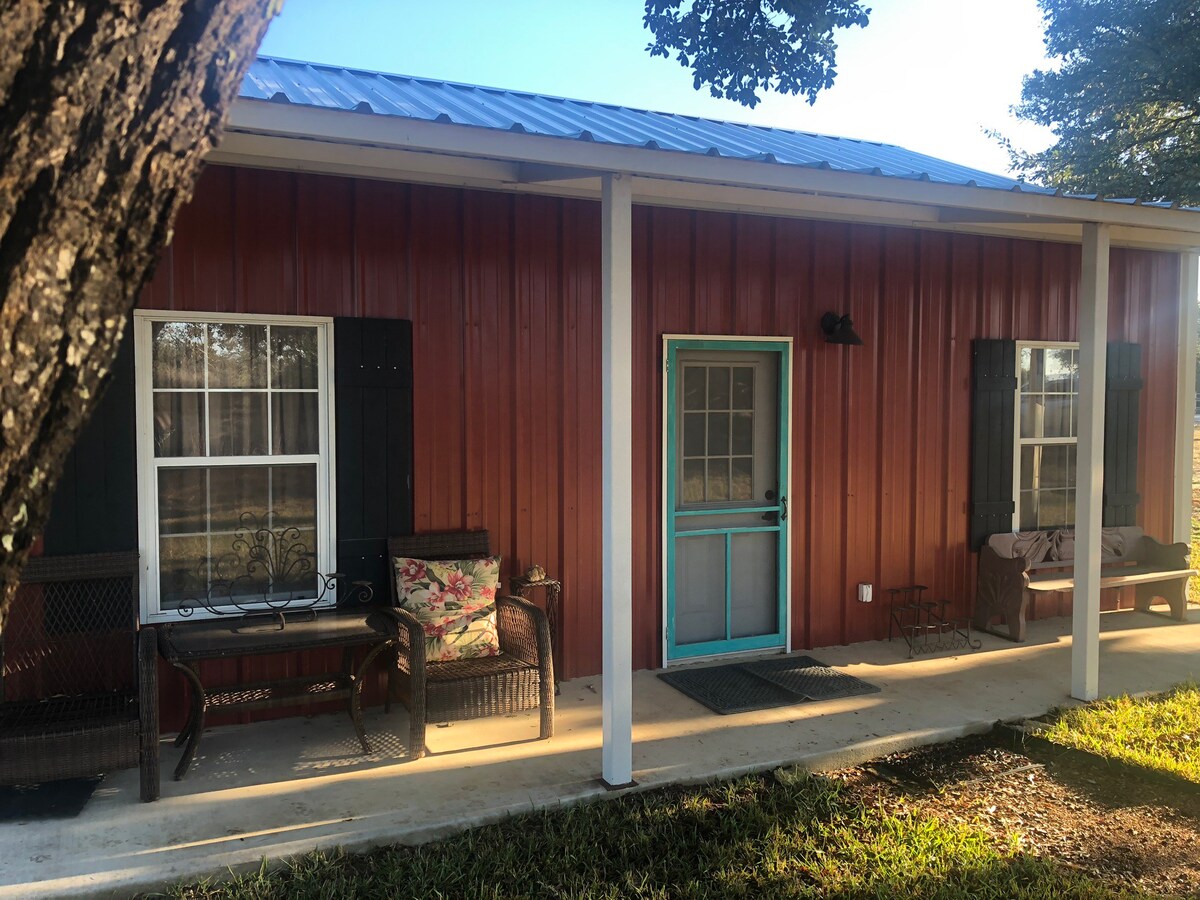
x,y
281,788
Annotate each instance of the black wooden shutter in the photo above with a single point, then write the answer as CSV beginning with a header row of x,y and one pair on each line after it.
x,y
993,393
94,509
373,433
1121,400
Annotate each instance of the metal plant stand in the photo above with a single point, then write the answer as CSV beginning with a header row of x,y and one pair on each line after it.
x,y
521,585
924,624
262,560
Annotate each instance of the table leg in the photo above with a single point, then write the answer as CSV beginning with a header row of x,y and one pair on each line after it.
x,y
195,726
185,731
356,692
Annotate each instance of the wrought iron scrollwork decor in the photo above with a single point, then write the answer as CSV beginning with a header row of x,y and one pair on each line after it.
x,y
261,558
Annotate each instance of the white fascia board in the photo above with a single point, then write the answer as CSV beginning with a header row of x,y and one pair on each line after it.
x,y
294,153
263,117
426,167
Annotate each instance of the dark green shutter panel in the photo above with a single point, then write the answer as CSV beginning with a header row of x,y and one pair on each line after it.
x,y
1121,400
374,446
993,393
94,509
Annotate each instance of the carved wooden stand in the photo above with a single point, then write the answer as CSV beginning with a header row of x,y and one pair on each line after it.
x,y
924,625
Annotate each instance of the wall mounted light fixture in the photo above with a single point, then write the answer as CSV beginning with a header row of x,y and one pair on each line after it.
x,y
839,330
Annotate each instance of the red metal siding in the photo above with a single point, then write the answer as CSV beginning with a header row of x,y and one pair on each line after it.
x,y
504,294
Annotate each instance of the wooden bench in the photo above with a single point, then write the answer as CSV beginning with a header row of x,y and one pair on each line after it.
x,y
1012,567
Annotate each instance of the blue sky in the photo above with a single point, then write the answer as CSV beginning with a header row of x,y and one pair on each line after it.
x,y
929,75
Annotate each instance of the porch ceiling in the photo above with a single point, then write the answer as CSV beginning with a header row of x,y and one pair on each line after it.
x,y
279,788
281,136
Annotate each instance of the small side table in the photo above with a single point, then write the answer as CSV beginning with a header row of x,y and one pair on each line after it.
x,y
520,587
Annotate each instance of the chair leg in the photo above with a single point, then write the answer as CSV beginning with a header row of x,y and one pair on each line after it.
x,y
546,702
416,726
148,769
418,703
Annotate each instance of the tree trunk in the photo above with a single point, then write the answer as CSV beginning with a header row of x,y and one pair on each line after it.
x,y
106,111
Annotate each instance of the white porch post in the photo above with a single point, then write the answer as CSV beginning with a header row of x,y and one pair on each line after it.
x,y
1089,489
617,411
1185,402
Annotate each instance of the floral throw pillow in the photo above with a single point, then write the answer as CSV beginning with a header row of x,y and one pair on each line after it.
x,y
455,602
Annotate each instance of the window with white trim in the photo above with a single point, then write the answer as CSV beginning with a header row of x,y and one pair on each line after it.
x,y
233,436
1047,410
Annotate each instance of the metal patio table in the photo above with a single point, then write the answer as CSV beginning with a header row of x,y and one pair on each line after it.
x,y
186,644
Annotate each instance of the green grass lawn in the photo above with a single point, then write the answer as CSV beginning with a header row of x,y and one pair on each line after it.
x,y
1160,732
771,836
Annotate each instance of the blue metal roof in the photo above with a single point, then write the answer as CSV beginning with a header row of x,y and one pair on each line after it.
x,y
353,90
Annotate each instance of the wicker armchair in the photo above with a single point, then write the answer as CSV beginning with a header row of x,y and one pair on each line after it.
x,y
80,680
521,677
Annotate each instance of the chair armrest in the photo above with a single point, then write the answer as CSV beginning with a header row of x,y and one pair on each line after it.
x,y
1165,556
524,633
410,645
147,679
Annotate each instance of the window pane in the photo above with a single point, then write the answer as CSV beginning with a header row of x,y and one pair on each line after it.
x,y
237,356
297,579
1062,373
294,496
1032,414
693,434
1052,509
1055,468
1031,375
1029,461
238,424
718,479
1057,415
718,387
182,570
237,492
743,388
182,501
742,485
693,387
293,357
743,434
718,434
692,489
179,424
178,354
294,427
1028,513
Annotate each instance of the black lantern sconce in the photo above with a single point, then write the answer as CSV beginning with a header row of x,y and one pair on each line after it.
x,y
839,330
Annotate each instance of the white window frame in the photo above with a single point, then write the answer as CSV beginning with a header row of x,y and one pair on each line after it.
x,y
1018,441
148,464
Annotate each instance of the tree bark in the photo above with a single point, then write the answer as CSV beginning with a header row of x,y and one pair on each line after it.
x,y
107,109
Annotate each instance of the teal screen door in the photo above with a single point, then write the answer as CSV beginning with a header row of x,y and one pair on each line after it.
x,y
726,456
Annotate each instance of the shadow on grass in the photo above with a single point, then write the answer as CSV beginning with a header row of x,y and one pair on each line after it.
x,y
771,836
1113,784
